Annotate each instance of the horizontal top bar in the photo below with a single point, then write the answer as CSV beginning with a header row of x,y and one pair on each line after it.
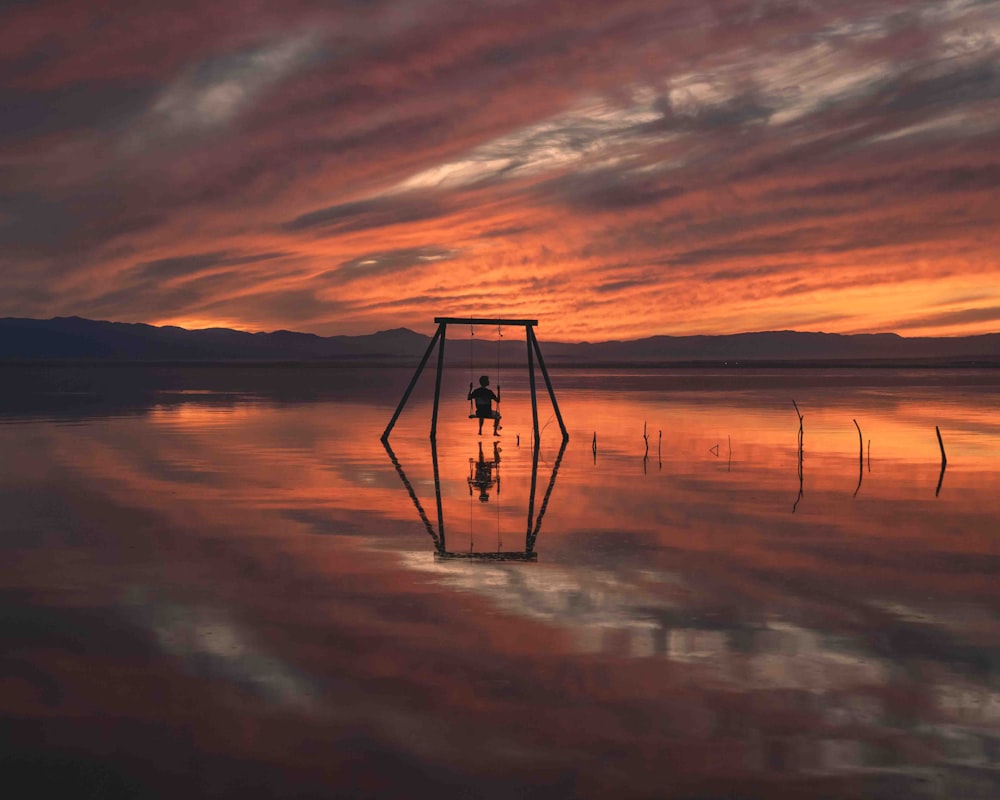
x,y
482,321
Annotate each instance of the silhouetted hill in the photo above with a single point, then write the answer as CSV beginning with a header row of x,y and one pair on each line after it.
x,y
783,346
74,338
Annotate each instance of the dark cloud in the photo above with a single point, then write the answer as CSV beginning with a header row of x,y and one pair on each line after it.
x,y
612,287
17,298
508,231
749,272
40,225
753,246
153,299
174,286
304,305
442,301
611,190
179,266
948,318
537,284
91,107
31,222
734,112
812,239
933,88
958,178
365,214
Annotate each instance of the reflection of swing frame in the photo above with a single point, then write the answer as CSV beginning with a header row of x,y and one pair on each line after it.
x,y
437,534
439,339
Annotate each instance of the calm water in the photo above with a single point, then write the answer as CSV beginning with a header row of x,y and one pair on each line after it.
x,y
217,582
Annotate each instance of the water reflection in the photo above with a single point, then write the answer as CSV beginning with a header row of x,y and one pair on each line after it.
x,y
216,588
483,476
944,461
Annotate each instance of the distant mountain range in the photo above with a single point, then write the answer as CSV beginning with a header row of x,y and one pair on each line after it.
x,y
77,339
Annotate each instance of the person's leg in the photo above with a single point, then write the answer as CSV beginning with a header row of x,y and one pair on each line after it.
x,y
480,426
496,421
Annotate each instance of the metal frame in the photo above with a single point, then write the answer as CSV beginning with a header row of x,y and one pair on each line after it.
x,y
534,351
534,522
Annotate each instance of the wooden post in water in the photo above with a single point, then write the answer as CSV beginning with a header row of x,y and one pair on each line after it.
x,y
944,461
861,457
801,433
944,458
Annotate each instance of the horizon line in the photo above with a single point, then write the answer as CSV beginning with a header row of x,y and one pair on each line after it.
x,y
161,326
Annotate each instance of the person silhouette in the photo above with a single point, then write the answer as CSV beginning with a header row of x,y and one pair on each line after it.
x,y
484,399
484,480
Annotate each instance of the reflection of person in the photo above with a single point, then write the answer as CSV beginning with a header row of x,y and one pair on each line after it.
x,y
483,479
484,398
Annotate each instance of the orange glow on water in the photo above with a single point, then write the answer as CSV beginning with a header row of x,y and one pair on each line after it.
x,y
264,555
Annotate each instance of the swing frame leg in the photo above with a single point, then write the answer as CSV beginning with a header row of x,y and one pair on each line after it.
x,y
437,382
533,343
439,334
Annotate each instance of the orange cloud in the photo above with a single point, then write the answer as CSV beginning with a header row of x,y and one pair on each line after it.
x,y
615,171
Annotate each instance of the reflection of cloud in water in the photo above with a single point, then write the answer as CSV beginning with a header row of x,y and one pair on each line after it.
x,y
607,615
791,657
546,594
212,645
799,670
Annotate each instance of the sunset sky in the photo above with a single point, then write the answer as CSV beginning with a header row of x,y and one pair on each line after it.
x,y
613,169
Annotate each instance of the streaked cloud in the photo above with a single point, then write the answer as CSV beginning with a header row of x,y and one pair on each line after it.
x,y
359,215
215,91
613,169
183,266
944,319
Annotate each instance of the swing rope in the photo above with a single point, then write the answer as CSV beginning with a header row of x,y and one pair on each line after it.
x,y
499,337
499,542
472,334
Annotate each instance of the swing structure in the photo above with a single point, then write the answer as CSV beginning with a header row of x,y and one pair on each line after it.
x,y
437,532
534,352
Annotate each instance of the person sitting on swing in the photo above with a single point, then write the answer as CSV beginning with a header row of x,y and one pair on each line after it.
x,y
484,398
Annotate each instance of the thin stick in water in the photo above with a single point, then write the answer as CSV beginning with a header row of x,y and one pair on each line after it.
x,y
861,457
944,462
797,499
